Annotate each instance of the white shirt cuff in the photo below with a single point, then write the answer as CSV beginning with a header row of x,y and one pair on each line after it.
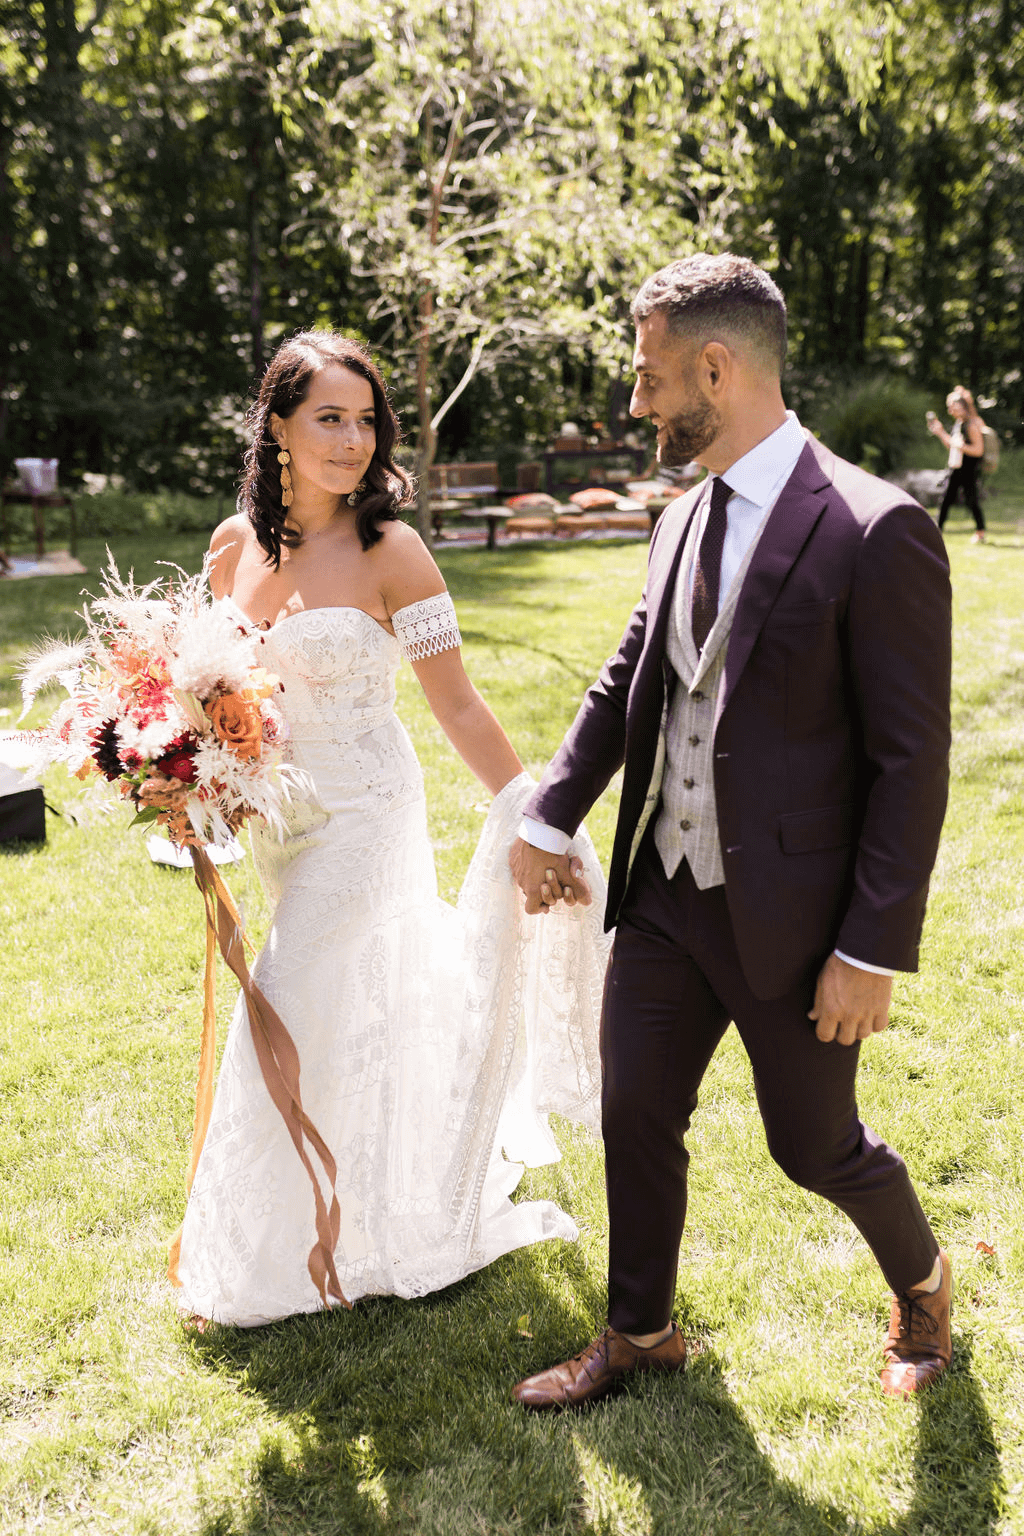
x,y
547,839
862,965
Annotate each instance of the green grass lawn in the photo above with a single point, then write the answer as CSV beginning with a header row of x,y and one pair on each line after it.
x,y
394,1420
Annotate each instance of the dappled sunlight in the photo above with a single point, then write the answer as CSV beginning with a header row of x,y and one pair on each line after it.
x,y
612,1503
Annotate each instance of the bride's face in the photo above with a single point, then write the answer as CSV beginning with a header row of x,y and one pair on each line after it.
x,y
332,434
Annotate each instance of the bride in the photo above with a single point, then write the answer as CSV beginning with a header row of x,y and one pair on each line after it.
x,y
431,1039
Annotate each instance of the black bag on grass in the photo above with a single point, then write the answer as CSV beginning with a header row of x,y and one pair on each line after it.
x,y
23,816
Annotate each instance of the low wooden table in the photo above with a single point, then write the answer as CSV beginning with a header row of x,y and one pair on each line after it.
x,y
494,516
39,505
439,507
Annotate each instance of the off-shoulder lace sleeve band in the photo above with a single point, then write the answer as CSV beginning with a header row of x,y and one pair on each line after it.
x,y
427,628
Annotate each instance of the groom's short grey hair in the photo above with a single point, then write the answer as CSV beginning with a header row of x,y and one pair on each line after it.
x,y
702,296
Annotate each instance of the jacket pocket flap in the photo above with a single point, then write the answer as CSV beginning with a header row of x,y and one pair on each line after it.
x,y
784,615
809,831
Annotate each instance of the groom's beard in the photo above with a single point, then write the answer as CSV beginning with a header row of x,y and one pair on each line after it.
x,y
684,437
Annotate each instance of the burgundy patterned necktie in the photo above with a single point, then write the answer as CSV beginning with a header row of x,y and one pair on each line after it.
x,y
708,573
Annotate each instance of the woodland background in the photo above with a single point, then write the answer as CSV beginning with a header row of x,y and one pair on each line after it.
x,y
477,188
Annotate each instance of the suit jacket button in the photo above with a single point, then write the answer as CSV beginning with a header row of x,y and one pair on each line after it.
x,y
698,696
694,741
685,824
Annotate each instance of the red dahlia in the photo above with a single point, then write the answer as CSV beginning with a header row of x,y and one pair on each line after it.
x,y
179,765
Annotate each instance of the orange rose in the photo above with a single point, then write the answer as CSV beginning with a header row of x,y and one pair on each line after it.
x,y
237,723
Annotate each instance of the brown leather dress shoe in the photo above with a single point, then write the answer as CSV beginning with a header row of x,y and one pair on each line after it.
x,y
918,1346
599,1369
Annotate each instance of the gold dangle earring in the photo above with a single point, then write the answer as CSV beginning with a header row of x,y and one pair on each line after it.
x,y
284,458
353,496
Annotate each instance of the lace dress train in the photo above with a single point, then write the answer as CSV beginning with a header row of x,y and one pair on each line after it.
x,y
434,1041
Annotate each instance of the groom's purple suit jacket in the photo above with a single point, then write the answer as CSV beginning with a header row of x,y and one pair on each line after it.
x,y
831,731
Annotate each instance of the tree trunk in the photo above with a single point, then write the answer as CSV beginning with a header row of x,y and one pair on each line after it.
x,y
978,363
860,264
931,176
426,441
253,105
12,297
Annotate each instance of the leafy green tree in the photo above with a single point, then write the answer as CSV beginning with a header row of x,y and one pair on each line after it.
x,y
503,174
477,189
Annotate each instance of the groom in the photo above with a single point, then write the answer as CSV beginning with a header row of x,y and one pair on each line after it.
x,y
780,703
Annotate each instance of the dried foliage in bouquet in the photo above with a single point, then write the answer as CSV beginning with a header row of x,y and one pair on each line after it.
x,y
166,703
168,709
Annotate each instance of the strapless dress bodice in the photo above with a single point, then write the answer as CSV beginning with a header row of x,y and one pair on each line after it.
x,y
338,668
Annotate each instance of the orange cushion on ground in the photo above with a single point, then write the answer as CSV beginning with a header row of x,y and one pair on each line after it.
x,y
628,522
530,525
578,522
593,499
533,501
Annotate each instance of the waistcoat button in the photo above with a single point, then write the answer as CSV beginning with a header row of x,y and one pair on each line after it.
x,y
685,824
694,741
687,783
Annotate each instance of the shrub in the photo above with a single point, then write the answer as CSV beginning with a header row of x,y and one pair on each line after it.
x,y
877,423
114,513
117,512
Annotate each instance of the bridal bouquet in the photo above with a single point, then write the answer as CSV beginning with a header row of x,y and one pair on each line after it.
x,y
167,705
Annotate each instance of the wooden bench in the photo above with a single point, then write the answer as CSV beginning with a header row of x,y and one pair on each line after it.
x,y
460,483
542,523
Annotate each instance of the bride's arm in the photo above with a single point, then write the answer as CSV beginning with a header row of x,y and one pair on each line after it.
x,y
466,720
409,575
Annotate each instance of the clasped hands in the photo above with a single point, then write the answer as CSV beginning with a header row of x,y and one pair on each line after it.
x,y
545,879
850,1004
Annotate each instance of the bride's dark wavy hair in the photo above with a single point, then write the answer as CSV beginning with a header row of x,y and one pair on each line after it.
x,y
283,388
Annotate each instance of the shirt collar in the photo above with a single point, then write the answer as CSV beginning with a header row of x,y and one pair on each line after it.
x,y
762,472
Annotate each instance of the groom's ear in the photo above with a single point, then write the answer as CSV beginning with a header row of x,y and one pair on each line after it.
x,y
715,366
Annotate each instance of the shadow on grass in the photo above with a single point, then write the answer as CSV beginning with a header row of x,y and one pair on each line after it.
x,y
399,1424
583,674
958,1481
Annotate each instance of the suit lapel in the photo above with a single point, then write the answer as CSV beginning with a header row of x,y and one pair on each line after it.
x,y
663,575
645,707
792,520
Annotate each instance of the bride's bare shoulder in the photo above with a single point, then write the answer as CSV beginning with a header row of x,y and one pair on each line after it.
x,y
400,539
406,569
236,529
230,538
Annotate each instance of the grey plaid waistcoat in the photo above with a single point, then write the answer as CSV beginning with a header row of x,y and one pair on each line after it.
x,y
687,823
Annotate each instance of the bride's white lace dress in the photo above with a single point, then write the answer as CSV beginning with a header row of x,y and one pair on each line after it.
x,y
430,1037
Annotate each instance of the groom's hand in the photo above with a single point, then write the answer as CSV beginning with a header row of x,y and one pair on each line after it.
x,y
850,1004
547,878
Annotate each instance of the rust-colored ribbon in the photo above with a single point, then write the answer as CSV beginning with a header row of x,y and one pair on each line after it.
x,y
279,1063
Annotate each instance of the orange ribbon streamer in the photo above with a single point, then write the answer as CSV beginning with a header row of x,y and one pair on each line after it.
x,y
279,1063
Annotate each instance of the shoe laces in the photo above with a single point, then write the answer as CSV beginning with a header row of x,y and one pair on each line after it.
x,y
595,1352
914,1315
596,1347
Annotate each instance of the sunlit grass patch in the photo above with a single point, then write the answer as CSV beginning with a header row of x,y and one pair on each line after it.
x,y
395,1420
